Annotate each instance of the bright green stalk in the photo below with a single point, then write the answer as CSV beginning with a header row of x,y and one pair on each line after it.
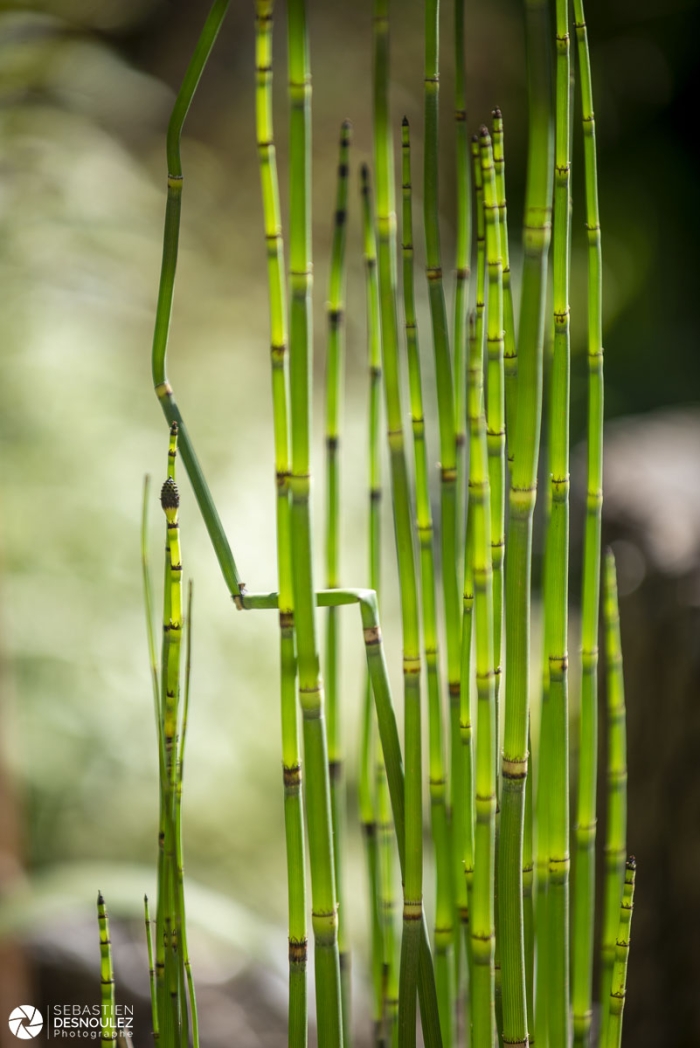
x,y
584,900
446,417
320,830
464,849
444,908
388,907
151,970
173,1008
291,762
386,223
524,438
463,222
482,924
449,547
466,732
495,420
179,858
616,835
541,1015
108,1031
495,438
334,398
528,898
165,297
510,359
558,555
480,240
370,751
622,949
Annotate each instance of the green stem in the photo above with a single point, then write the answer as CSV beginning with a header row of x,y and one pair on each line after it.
x,y
463,224
166,288
413,843
482,917
616,822
318,804
444,908
558,554
510,358
151,971
291,759
584,900
108,1033
334,398
622,949
371,758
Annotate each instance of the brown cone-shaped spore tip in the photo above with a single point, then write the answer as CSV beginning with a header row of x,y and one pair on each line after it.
x,y
173,429
169,495
631,863
484,131
497,114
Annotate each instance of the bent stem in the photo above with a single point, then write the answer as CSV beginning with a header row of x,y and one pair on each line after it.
x,y
166,288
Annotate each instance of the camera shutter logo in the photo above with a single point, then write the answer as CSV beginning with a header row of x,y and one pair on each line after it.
x,y
26,1022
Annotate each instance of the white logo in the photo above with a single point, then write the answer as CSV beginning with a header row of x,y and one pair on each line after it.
x,y
26,1022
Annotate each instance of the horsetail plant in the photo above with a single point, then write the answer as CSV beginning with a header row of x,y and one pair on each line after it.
x,y
334,397
107,1028
291,758
483,857
616,832
444,905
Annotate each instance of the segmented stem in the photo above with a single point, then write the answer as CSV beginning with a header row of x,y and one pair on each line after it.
x,y
444,908
622,949
483,919
558,555
291,758
318,805
108,1030
411,949
463,233
334,398
616,822
371,758
510,358
584,901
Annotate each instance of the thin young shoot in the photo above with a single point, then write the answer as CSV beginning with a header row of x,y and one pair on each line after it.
x,y
108,1029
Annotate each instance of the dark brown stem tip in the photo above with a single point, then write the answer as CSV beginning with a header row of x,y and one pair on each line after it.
x,y
484,131
100,898
364,176
497,114
169,495
174,429
631,863
145,899
345,132
404,122
475,139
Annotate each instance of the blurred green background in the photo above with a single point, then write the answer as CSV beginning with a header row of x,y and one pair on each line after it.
x,y
85,92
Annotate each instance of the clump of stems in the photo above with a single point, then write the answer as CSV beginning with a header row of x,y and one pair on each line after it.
x,y
502,873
